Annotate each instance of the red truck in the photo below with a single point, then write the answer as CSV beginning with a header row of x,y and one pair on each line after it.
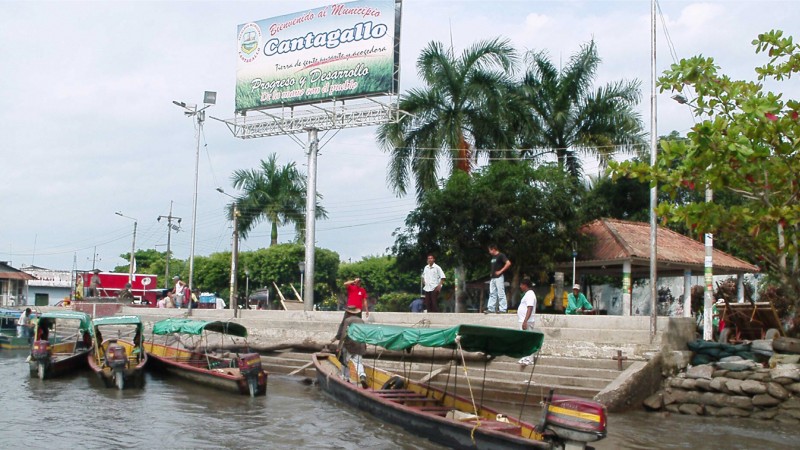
x,y
144,286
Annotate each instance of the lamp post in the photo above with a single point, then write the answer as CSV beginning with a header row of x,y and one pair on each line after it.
x,y
247,286
133,246
209,98
302,266
234,251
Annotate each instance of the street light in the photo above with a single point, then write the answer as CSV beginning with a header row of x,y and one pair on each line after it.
x,y
209,98
247,287
234,250
133,246
302,266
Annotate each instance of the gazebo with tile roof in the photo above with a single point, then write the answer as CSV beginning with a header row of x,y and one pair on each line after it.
x,y
622,247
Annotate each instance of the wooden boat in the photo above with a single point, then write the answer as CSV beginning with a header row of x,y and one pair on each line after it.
x,y
8,331
241,373
119,357
62,342
447,418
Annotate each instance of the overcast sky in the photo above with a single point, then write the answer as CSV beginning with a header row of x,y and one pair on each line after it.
x,y
88,128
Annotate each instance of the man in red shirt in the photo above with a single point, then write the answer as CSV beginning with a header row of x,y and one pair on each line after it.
x,y
357,295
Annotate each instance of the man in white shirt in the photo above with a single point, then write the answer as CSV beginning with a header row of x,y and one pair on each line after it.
x,y
432,280
220,303
526,312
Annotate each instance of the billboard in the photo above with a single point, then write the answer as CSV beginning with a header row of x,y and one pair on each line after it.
x,y
337,51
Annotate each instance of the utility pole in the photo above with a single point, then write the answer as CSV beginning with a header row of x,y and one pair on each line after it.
x,y
169,218
234,303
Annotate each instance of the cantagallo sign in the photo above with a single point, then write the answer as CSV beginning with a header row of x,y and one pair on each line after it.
x,y
337,51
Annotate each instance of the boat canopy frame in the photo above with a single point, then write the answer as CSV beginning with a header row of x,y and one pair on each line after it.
x,y
492,341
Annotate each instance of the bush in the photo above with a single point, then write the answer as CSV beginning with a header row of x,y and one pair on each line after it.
x,y
395,302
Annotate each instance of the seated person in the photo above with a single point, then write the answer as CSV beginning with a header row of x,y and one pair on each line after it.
x,y
577,302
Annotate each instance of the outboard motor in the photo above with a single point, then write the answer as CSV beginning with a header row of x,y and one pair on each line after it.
x,y
250,368
116,358
41,350
574,420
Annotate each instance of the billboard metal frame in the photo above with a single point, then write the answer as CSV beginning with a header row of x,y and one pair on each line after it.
x,y
369,111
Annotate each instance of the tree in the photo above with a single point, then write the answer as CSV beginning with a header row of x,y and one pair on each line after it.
x,y
746,146
529,212
559,113
275,194
456,115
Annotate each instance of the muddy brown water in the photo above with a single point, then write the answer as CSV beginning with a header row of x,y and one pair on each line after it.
x,y
79,412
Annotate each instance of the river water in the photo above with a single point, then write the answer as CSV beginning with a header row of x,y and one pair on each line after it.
x,y
78,412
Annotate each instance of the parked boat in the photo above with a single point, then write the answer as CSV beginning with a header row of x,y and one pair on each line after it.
x,y
450,419
62,342
182,350
8,330
119,357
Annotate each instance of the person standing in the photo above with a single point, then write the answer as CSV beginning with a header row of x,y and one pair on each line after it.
x,y
178,292
351,350
24,324
356,296
577,302
497,281
526,311
95,284
432,281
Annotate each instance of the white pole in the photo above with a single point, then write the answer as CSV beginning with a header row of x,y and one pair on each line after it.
x,y
311,211
200,116
654,189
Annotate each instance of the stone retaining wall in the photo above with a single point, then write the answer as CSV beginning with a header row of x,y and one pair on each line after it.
x,y
759,393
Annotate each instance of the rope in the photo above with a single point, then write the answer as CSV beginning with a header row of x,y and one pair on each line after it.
x,y
527,388
469,386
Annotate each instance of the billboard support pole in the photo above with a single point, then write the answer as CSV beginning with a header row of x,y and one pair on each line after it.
x,y
311,215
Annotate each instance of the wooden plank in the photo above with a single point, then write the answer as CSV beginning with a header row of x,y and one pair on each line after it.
x,y
434,373
296,371
280,294
296,294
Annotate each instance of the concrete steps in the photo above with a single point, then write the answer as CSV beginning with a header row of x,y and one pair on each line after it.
x,y
505,379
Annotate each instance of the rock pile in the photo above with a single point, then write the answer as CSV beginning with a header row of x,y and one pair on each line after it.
x,y
756,392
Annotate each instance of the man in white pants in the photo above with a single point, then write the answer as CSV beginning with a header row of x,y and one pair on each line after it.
x,y
526,311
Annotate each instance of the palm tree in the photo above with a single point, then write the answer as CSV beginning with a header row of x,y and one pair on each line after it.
x,y
561,114
458,113
272,193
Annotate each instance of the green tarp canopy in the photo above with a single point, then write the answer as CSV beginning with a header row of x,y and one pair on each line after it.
x,y
189,326
52,316
118,320
489,340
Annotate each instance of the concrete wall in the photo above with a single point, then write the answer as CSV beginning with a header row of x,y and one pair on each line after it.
x,y
572,336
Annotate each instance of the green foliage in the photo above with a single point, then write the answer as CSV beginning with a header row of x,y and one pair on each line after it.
x,y
529,212
558,110
458,111
395,302
272,193
746,147
151,261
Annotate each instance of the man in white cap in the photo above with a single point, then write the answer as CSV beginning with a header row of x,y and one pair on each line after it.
x,y
577,302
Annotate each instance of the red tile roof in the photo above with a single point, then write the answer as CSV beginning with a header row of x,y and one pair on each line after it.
x,y
616,241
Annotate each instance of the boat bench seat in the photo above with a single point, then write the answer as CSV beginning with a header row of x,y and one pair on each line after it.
x,y
435,410
502,427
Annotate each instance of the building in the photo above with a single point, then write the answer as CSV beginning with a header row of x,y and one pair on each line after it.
x,y
49,286
13,285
